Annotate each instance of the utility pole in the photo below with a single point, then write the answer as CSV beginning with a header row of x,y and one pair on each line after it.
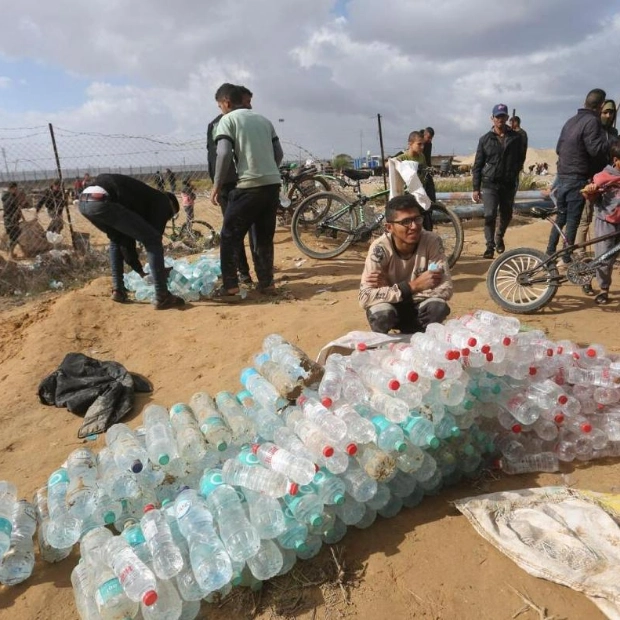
x,y
383,167
6,164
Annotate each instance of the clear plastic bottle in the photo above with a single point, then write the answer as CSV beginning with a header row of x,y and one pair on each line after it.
x,y
239,536
212,423
507,324
402,485
447,427
242,426
511,449
82,472
267,561
298,469
275,374
8,497
520,407
359,429
370,516
379,379
392,508
63,529
287,439
265,514
132,533
306,507
425,344
358,483
160,442
257,478
190,441
328,487
281,351
390,437
167,559
545,461
83,593
392,408
209,560
128,453
454,335
381,498
118,484
17,564
295,534
136,578
263,391
266,422
330,387
46,551
353,388
411,459
330,425
379,465
168,605
309,433
420,432
350,511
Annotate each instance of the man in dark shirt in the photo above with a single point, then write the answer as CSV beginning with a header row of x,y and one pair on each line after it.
x,y
53,200
128,210
583,150
515,124
13,201
172,180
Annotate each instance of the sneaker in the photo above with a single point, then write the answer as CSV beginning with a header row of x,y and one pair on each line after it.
x,y
120,297
170,301
499,245
489,253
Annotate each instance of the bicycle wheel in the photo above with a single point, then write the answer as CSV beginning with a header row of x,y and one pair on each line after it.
x,y
323,225
518,281
448,226
303,189
199,235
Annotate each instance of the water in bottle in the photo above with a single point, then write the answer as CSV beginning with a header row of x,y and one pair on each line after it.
x,y
17,564
168,605
8,497
160,442
129,455
211,422
267,562
190,441
266,421
243,427
257,478
46,551
63,529
298,469
167,560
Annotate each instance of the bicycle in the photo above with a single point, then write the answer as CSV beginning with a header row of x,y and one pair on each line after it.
x,y
197,234
326,224
298,184
524,280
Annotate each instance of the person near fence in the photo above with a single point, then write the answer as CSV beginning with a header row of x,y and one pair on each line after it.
x,y
160,182
406,281
188,199
230,177
495,175
604,194
13,201
77,187
53,200
129,211
252,140
583,150
87,180
172,180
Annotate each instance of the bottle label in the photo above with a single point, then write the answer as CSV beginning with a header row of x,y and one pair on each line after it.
x,y
134,536
125,573
109,590
211,423
210,481
182,508
60,475
6,527
269,454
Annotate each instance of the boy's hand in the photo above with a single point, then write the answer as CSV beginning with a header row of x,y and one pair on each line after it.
x,y
590,188
425,281
376,279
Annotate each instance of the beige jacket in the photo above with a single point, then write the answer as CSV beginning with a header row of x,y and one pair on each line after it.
x,y
383,257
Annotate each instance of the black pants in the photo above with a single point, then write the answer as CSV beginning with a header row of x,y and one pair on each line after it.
x,y
247,209
241,259
13,230
497,199
408,317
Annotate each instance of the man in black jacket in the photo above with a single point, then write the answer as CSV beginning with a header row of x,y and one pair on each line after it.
x,y
583,150
499,159
53,200
128,210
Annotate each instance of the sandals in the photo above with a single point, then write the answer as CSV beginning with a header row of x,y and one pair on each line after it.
x,y
223,295
588,290
602,299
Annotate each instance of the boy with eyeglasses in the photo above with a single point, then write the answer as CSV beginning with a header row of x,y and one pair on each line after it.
x,y
406,282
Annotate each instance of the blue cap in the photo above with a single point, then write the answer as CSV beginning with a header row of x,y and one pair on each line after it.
x,y
246,373
500,109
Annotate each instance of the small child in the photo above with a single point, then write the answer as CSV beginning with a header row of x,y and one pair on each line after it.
x,y
188,199
604,191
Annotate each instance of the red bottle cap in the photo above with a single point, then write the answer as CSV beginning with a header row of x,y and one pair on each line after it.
x,y
516,428
532,371
560,350
563,399
149,598
326,401
472,342
549,352
149,507
506,341
361,346
591,352
293,488
465,352
255,448
558,418
413,376
351,449
485,348
393,384
489,356
586,427
301,399
439,374
328,451
455,354
576,355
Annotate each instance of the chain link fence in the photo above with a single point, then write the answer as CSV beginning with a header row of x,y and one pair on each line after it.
x,y
45,242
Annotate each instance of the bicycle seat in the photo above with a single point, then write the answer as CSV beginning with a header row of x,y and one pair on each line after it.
x,y
357,175
542,212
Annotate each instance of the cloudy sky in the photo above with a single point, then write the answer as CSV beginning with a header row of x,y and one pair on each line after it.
x,y
326,67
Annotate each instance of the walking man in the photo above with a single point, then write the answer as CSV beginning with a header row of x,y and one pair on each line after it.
x,y
583,150
495,173
515,125
251,139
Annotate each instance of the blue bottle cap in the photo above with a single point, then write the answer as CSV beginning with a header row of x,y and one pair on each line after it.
x,y
246,373
339,499
136,466
243,395
400,446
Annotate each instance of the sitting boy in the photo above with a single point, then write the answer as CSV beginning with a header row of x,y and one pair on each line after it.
x,y
406,280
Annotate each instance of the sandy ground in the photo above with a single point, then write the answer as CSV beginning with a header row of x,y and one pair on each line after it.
x,y
425,563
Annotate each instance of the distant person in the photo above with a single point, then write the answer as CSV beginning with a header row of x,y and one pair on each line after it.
x,y
53,200
86,180
429,182
130,211
515,125
188,199
406,281
77,187
229,180
13,201
172,180
604,194
608,119
583,150
251,140
495,174
160,182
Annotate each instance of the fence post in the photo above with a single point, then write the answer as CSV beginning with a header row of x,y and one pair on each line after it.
x,y
62,184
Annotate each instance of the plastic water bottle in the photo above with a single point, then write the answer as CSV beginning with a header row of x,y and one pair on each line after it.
x,y
329,488
285,354
381,498
209,560
128,454
402,485
83,593
160,442
420,432
309,433
330,387
266,421
8,497
350,511
110,598
287,439
390,437
135,577
167,560
520,407
168,605
359,429
545,461
358,483
46,551
275,374
298,469
64,529
306,507
82,471
18,561
269,482
353,388
212,423
411,459
331,426
118,484
239,536
265,514
392,408
242,426
189,438
267,562
379,465
263,391
507,324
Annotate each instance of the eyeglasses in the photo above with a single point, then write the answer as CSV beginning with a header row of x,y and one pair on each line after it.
x,y
408,221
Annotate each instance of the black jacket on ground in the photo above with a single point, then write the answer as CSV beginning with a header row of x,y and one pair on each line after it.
x,y
146,201
496,164
583,149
